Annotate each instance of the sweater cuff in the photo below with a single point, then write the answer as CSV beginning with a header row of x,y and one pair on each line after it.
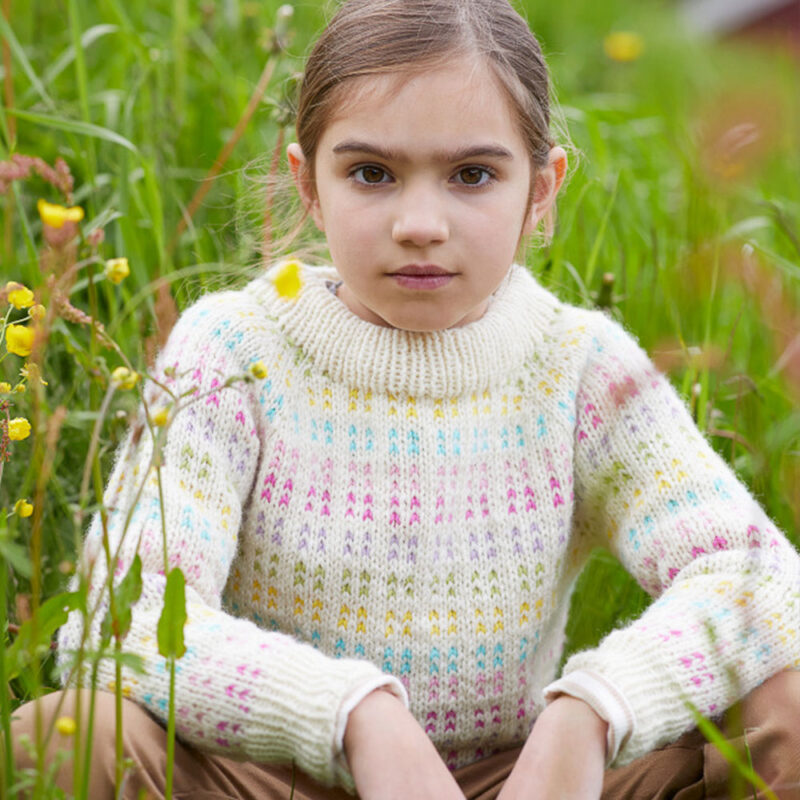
x,y
351,700
606,701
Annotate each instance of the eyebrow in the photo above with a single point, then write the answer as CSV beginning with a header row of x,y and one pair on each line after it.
x,y
445,156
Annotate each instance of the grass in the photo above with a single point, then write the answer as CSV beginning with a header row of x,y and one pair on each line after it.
x,y
681,215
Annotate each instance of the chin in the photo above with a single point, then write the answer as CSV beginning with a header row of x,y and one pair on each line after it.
x,y
422,325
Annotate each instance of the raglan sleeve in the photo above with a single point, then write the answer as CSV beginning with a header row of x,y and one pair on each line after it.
x,y
725,581
240,690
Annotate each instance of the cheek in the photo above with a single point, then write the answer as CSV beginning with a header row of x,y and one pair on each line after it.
x,y
350,223
495,232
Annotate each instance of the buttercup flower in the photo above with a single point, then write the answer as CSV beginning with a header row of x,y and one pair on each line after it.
x,y
23,508
18,295
18,429
623,46
161,417
19,340
37,312
66,726
5,387
258,370
117,269
288,281
124,378
55,216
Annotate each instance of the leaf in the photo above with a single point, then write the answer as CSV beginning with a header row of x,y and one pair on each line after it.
x,y
16,555
51,615
131,661
173,616
126,594
74,126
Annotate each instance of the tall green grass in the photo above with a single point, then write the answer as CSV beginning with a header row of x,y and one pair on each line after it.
x,y
680,215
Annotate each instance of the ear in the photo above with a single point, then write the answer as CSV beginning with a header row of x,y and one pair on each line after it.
x,y
546,184
301,174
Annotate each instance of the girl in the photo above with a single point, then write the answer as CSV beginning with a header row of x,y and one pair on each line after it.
x,y
381,533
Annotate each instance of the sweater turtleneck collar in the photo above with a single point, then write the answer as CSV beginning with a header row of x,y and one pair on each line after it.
x,y
445,363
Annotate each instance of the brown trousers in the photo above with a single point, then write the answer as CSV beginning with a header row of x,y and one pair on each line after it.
x,y
688,769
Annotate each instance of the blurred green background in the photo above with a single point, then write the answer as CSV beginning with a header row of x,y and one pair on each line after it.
x,y
684,197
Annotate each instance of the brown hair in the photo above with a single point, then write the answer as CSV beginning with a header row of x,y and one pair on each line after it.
x,y
369,37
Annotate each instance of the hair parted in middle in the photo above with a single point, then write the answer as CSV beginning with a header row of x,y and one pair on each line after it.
x,y
378,37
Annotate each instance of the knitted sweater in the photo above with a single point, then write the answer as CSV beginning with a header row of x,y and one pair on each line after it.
x,y
413,509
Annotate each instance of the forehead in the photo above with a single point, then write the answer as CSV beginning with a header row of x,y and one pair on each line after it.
x,y
449,105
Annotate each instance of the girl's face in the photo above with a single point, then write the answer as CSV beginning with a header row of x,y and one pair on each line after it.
x,y
422,188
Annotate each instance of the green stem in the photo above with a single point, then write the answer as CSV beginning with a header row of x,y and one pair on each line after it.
x,y
84,795
119,766
5,711
170,729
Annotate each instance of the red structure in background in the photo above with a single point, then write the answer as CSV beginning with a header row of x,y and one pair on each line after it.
x,y
772,20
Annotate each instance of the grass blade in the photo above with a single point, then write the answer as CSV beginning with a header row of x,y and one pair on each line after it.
x,y
19,54
730,754
74,126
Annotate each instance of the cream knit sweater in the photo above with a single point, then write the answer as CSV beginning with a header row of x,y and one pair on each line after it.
x,y
407,509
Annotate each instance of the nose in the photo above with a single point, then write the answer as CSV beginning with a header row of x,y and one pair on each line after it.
x,y
420,218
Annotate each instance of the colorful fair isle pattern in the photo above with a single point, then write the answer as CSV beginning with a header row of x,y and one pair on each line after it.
x,y
420,505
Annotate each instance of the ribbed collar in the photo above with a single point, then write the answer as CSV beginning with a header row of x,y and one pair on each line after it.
x,y
443,363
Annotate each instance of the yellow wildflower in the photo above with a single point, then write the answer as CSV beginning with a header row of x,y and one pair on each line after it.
x,y
117,269
19,340
288,281
55,215
66,726
623,46
161,417
258,370
18,295
124,378
20,388
18,429
23,507
37,312
5,387
31,372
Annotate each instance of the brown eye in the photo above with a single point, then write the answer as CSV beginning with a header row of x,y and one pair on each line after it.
x,y
370,174
473,176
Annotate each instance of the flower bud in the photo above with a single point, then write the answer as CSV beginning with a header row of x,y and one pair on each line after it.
x,y
117,269
18,295
258,370
124,378
66,726
161,417
23,508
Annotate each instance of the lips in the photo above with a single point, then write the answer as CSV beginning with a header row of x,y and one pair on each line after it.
x,y
427,277
422,270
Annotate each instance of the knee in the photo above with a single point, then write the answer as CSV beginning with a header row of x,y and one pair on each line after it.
x,y
774,702
45,733
771,715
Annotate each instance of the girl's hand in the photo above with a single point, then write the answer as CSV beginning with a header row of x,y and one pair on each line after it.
x,y
391,757
564,756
